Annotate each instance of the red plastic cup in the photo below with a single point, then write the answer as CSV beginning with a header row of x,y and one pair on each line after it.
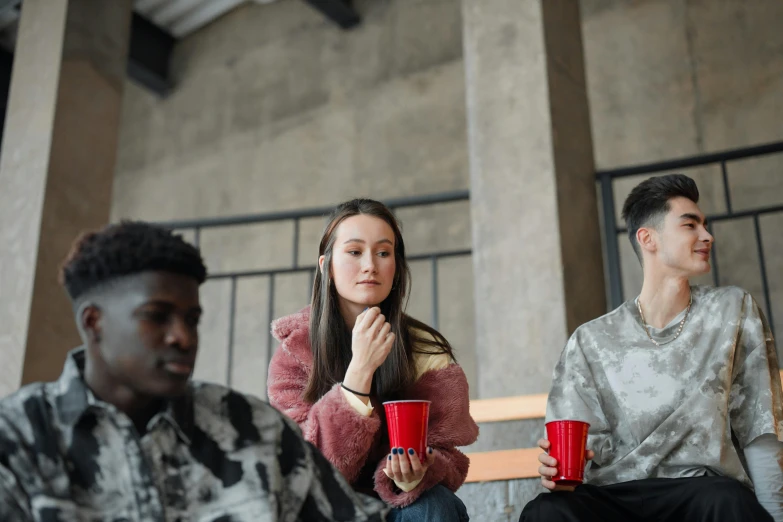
x,y
568,444
408,422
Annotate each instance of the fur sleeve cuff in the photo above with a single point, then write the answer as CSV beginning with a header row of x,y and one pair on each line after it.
x,y
341,433
393,496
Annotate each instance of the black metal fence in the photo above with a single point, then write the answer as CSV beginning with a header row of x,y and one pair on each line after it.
x,y
613,230
196,226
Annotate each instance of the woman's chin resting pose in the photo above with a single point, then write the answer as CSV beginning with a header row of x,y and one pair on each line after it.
x,y
354,348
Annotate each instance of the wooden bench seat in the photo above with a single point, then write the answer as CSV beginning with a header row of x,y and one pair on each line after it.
x,y
512,464
509,408
486,466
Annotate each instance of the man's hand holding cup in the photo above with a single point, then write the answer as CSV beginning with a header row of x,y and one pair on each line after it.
x,y
565,455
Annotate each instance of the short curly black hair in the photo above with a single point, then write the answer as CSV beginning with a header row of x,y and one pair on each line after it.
x,y
127,248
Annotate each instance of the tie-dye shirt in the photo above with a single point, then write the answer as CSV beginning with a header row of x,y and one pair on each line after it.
x,y
213,455
682,409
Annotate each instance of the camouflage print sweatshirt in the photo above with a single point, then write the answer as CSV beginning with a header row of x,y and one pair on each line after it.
x,y
212,455
683,409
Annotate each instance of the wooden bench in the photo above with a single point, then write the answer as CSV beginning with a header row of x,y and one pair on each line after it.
x,y
512,464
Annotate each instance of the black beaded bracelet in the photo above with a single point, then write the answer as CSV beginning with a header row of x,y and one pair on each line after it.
x,y
354,392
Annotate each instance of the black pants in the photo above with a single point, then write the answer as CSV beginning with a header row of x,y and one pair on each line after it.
x,y
699,499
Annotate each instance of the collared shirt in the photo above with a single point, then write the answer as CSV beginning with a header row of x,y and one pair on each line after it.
x,y
673,410
212,455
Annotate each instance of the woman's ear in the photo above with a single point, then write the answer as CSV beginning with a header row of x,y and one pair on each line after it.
x,y
321,260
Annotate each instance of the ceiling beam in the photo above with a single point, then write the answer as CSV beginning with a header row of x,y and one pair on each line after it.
x,y
8,5
149,55
340,12
6,64
173,10
201,15
146,6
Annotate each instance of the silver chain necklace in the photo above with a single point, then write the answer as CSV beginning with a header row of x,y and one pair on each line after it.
x,y
679,330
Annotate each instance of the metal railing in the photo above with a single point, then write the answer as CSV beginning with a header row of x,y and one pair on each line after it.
x,y
613,231
605,179
196,226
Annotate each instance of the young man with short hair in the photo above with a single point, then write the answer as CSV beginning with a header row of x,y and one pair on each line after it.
x,y
679,385
125,435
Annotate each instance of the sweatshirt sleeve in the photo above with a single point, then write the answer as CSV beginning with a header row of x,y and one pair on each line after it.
x,y
574,396
332,424
756,398
765,464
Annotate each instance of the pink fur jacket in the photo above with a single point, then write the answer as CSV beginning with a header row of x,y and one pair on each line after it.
x,y
357,445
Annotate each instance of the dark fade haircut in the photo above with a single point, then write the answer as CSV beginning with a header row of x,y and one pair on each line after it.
x,y
648,202
127,248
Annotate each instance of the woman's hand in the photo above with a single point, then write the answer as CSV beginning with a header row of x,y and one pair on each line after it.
x,y
405,465
371,342
548,468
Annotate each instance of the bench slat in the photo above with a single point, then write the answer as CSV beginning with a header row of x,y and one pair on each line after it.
x,y
503,465
509,408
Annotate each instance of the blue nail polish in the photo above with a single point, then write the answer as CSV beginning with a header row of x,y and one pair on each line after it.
x,y
410,451
389,457
429,450
394,451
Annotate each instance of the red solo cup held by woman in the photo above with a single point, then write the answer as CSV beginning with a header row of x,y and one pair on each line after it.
x,y
408,423
568,445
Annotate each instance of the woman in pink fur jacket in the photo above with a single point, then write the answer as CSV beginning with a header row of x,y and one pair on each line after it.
x,y
355,348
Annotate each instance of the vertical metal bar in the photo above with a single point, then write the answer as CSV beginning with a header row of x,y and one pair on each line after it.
x,y
270,318
231,318
715,272
296,243
612,245
763,267
197,237
435,311
726,194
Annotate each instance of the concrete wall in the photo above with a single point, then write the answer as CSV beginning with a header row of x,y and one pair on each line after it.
x,y
277,109
672,78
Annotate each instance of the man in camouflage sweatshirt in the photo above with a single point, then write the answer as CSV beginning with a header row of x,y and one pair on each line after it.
x,y
125,435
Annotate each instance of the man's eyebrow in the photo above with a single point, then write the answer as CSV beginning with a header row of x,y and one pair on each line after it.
x,y
694,217
169,306
158,302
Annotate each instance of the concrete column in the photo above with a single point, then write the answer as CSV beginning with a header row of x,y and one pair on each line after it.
x,y
536,241
56,169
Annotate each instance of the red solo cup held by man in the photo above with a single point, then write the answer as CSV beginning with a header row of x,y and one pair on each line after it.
x,y
568,446
408,422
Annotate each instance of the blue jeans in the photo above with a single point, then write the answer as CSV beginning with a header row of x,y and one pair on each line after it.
x,y
438,504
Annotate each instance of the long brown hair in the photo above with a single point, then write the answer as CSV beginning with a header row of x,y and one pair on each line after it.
x,y
330,339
